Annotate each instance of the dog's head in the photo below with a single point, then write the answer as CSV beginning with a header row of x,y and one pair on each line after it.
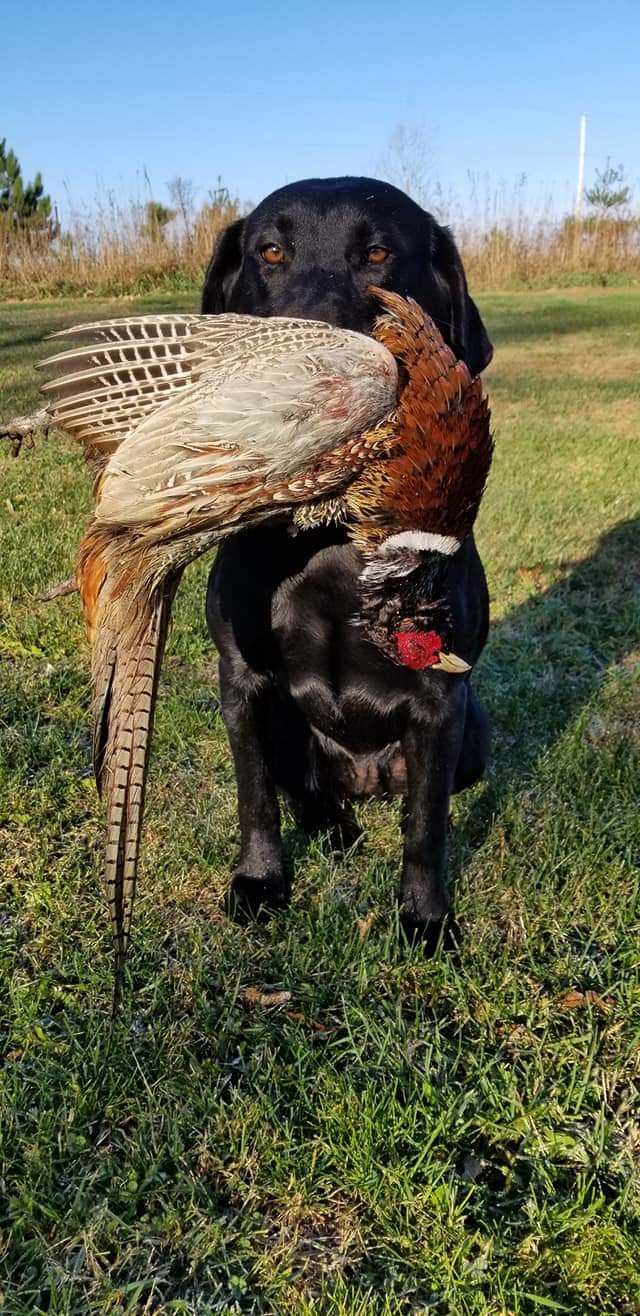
x,y
312,249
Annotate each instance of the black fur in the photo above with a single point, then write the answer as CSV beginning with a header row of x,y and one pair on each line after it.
x,y
311,707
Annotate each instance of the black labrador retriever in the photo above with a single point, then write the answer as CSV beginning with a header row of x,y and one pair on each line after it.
x,y
279,605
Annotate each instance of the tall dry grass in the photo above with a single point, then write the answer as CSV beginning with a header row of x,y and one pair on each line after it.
x,y
539,253
509,237
113,250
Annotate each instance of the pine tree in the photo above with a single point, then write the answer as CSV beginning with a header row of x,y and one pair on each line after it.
x,y
610,191
22,204
156,218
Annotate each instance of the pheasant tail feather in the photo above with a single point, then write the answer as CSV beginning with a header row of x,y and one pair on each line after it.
x,y
130,628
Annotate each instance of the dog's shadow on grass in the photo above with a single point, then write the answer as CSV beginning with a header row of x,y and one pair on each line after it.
x,y
546,659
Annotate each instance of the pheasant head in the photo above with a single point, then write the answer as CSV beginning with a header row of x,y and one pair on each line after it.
x,y
405,601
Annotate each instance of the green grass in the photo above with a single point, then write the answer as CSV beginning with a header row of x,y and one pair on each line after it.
x,y
458,1136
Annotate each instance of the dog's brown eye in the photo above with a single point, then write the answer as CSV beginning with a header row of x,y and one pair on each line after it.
x,y
376,254
272,253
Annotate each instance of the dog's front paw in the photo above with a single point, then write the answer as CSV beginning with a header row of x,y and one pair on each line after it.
x,y
427,920
257,897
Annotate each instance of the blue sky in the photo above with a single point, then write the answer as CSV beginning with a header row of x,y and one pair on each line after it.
x,y
95,94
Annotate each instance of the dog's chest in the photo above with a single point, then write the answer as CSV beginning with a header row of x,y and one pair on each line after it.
x,y
362,775
355,700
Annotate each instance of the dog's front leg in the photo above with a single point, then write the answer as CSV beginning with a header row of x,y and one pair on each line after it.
x,y
431,748
259,878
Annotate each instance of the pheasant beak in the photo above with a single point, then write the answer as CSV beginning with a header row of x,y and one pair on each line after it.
x,y
449,662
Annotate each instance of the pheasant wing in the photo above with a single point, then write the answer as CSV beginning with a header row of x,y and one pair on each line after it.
x,y
286,429
119,371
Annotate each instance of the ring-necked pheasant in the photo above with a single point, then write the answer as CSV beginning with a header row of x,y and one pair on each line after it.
x,y
202,425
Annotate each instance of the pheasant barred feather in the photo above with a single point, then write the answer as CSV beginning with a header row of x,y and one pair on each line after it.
x,y
122,370
130,628
119,372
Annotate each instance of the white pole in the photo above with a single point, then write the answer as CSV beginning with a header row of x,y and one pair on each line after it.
x,y
583,147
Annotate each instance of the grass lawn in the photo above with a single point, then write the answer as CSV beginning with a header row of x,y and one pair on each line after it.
x,y
387,1134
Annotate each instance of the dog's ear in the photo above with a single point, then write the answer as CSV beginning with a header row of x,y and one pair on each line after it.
x,y
469,338
222,268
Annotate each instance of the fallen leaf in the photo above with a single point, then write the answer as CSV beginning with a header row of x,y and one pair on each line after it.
x,y
298,1017
514,1034
630,661
574,999
365,925
535,575
15,1054
253,996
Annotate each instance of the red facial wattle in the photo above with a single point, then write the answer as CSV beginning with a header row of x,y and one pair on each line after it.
x,y
418,649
